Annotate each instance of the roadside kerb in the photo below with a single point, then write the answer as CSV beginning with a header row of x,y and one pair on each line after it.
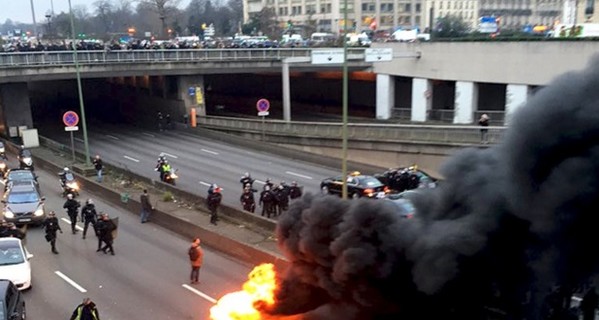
x,y
211,239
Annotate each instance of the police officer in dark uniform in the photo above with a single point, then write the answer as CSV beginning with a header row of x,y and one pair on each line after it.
x,y
214,199
51,225
282,196
267,201
88,215
72,207
268,184
247,200
246,180
294,191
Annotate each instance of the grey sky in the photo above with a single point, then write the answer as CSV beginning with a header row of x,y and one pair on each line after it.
x,y
20,10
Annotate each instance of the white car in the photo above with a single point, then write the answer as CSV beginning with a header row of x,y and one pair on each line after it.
x,y
14,263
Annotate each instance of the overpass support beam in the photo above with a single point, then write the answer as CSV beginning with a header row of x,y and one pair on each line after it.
x,y
198,100
15,109
286,92
422,99
385,96
466,101
516,96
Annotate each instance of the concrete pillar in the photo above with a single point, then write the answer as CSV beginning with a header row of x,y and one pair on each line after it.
x,y
197,82
422,99
286,92
466,100
516,96
385,96
15,109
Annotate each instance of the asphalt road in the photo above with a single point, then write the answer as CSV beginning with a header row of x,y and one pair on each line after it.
x,y
200,161
148,278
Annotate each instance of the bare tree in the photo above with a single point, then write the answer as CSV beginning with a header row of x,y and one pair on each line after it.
x,y
104,10
164,9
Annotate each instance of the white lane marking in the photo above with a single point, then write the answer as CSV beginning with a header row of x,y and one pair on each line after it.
x,y
79,139
298,175
148,134
129,158
260,181
69,222
199,293
209,184
169,155
112,137
209,151
70,281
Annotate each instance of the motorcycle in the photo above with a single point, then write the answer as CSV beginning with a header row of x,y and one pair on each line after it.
x,y
171,176
26,161
69,185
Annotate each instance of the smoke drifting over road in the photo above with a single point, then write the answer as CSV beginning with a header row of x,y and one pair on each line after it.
x,y
506,225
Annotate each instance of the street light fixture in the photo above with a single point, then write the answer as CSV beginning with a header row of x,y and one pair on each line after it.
x,y
345,107
79,89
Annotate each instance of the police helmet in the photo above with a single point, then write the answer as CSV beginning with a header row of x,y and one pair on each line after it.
x,y
69,196
66,169
90,201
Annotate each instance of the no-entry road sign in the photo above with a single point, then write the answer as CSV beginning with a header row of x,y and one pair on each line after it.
x,y
70,118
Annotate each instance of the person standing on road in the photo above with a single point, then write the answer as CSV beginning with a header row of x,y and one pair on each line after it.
x,y
88,215
72,207
484,123
196,257
294,191
51,225
267,201
86,311
99,165
214,199
146,206
106,234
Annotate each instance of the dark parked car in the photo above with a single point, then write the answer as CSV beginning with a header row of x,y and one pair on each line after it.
x,y
12,303
406,178
23,204
358,186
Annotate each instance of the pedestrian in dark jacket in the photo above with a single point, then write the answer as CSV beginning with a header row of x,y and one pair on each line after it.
x,y
99,165
106,230
214,199
88,215
484,123
86,311
282,195
146,206
72,207
51,226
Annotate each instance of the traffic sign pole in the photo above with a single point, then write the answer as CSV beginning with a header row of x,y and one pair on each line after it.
x,y
73,147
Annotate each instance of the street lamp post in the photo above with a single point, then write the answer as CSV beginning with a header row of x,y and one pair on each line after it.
x,y
345,103
33,16
79,89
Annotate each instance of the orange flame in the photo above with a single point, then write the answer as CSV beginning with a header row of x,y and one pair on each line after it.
x,y
240,305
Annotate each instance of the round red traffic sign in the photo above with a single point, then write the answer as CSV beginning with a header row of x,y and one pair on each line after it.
x,y
262,105
70,118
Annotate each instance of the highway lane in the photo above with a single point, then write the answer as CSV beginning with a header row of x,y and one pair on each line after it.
x,y
200,161
146,279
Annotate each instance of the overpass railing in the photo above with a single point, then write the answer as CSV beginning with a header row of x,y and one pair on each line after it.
x,y
442,134
37,58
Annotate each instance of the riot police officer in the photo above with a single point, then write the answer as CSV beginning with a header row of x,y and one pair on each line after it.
x,y
247,200
72,207
88,215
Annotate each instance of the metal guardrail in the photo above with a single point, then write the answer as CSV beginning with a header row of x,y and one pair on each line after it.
x,y
57,58
448,134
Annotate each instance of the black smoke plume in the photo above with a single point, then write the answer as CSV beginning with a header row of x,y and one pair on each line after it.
x,y
508,224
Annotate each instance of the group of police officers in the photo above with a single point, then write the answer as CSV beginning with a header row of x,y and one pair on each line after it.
x,y
274,199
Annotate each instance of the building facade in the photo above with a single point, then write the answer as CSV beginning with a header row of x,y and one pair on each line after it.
x,y
393,14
